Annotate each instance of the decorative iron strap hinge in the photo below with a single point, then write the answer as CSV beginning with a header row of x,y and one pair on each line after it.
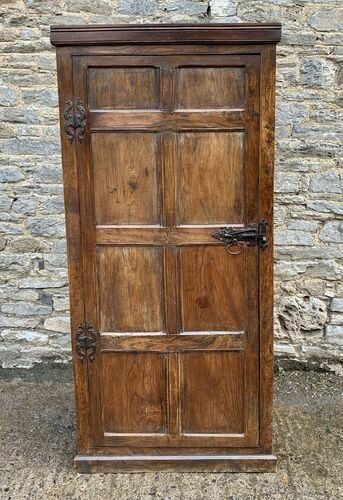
x,y
86,342
74,123
252,235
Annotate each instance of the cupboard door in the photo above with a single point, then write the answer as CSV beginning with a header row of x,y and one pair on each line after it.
x,y
170,154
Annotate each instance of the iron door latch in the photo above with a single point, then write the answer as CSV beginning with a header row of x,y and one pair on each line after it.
x,y
86,342
251,235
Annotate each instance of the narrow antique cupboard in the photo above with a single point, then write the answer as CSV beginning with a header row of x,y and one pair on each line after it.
x,y
168,148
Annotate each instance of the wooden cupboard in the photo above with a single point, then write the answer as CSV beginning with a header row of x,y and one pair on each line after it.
x,y
168,149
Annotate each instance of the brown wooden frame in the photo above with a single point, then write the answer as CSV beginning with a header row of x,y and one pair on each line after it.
x,y
91,41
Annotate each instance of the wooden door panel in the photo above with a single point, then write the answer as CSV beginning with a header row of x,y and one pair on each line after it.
x,y
130,289
211,177
126,171
212,388
134,392
123,88
210,88
212,289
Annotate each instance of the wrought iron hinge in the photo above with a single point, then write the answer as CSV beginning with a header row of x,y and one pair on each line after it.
x,y
74,122
86,342
252,235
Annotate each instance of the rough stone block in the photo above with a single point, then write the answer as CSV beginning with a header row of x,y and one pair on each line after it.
x,y
42,283
13,262
29,34
298,38
45,298
332,232
337,305
51,205
291,112
61,345
61,303
34,338
11,174
8,96
24,205
27,146
293,238
18,322
223,8
48,174
5,203
19,115
44,97
288,270
42,7
8,228
336,319
334,334
46,226
27,244
326,206
317,73
284,350
299,316
327,182
327,19
25,309
59,324
137,7
92,6
186,7
286,183
303,225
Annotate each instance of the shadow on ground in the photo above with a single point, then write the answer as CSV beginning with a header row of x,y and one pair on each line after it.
x,y
38,438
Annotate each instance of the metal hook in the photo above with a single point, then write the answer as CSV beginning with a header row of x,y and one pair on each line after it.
x,y
238,244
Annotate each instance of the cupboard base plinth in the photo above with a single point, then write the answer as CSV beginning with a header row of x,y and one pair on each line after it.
x,y
175,463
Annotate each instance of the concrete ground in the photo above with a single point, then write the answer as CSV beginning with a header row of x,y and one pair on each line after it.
x,y
37,440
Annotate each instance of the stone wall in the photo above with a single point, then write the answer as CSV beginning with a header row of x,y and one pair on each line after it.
x,y
309,241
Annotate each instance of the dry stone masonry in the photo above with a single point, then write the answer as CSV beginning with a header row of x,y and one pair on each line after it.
x,y
34,323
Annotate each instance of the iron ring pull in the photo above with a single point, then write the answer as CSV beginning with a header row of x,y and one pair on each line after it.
x,y
238,244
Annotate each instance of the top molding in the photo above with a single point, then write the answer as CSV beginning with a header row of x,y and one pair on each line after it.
x,y
165,33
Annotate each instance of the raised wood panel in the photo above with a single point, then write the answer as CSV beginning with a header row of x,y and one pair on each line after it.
x,y
130,289
123,88
125,170
211,176
212,388
212,289
134,392
217,87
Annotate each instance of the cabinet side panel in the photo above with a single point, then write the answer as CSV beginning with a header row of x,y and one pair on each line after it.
x,y
73,228
266,295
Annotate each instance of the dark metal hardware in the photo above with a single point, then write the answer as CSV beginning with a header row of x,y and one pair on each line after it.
x,y
86,342
74,123
251,235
